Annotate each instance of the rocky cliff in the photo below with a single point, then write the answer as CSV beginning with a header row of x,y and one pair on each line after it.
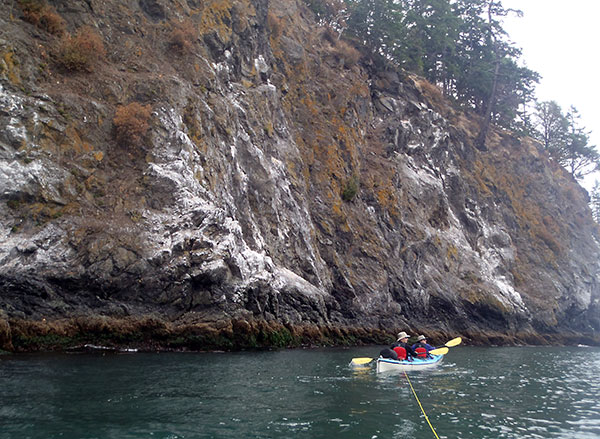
x,y
280,189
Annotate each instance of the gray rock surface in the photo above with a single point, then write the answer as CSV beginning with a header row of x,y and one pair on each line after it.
x,y
232,207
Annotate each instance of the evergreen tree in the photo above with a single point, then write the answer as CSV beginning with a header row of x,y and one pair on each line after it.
x,y
565,140
551,128
379,25
474,55
429,46
328,12
488,77
580,158
515,90
459,45
595,201
502,78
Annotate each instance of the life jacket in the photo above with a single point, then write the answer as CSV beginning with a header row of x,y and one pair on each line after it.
x,y
401,352
422,352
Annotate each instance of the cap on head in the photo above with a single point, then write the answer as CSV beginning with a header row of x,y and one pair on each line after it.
x,y
421,337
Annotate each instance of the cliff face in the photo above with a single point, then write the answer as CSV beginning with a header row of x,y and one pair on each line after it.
x,y
286,192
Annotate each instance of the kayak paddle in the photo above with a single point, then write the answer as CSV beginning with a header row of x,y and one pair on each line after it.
x,y
360,361
454,342
444,349
439,351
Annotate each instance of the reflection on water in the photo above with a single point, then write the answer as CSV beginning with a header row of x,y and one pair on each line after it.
x,y
362,372
476,393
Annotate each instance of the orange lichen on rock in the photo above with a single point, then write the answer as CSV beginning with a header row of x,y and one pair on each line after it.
x,y
216,17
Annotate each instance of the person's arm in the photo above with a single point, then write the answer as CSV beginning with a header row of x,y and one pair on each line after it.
x,y
411,351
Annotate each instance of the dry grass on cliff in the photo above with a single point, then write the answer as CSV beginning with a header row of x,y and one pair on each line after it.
x,y
42,15
131,123
343,51
274,24
82,51
347,54
434,96
182,37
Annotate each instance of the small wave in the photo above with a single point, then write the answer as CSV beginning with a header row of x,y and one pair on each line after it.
x,y
108,348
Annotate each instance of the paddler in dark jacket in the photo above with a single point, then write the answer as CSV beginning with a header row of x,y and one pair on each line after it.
x,y
403,342
422,343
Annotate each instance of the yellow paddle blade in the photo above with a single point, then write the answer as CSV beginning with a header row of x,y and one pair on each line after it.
x,y
454,342
361,360
439,351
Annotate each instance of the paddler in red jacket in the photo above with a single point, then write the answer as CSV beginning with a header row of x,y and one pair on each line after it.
x,y
402,342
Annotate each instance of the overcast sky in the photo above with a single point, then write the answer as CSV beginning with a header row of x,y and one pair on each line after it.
x,y
559,40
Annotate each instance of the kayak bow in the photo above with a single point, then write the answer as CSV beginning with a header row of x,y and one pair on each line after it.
x,y
388,365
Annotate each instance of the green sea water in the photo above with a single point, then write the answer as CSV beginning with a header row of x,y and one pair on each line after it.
x,y
495,392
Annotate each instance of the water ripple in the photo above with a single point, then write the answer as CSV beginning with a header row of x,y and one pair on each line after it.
x,y
477,393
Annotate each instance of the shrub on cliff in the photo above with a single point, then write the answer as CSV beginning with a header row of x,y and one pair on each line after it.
x,y
81,51
42,15
351,189
131,123
182,37
347,54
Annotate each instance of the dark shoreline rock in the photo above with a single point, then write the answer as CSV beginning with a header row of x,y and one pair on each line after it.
x,y
149,333
5,333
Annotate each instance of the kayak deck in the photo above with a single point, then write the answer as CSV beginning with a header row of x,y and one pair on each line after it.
x,y
387,364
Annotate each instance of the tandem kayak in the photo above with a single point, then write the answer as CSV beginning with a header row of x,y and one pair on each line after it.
x,y
388,365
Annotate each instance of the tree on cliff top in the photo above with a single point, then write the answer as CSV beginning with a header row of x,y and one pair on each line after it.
x,y
565,139
580,157
458,45
379,25
461,46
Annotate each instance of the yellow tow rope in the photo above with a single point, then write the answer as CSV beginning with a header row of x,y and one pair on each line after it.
x,y
417,398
